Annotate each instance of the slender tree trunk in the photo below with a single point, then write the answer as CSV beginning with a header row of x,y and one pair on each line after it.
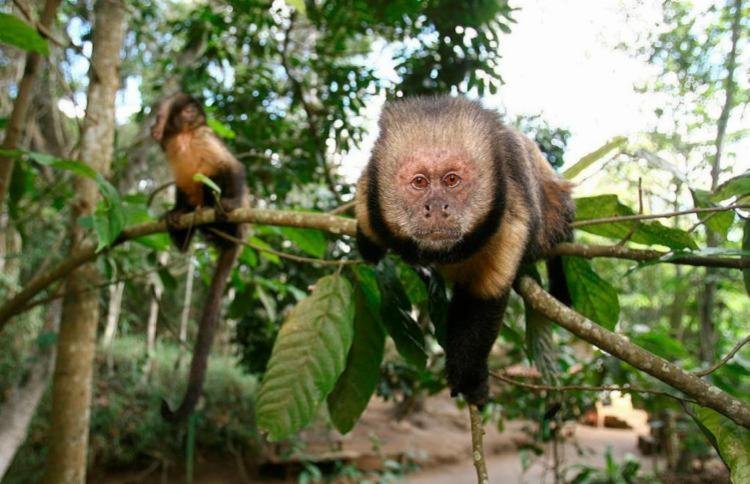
x,y
113,313
21,404
71,391
14,129
708,298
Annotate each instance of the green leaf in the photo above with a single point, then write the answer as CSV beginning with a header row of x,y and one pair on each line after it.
x,y
730,440
734,187
310,241
16,32
718,222
108,220
273,258
220,128
595,155
746,246
540,341
412,283
437,307
299,5
592,296
650,233
395,310
356,385
200,177
308,357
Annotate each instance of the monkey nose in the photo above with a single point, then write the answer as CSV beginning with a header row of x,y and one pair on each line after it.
x,y
434,206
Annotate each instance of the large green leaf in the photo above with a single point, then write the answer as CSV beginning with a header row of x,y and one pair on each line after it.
x,y
735,187
592,296
356,385
310,241
718,222
730,440
589,159
437,307
16,32
395,311
308,357
604,206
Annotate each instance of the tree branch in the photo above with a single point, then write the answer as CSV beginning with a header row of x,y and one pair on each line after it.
x,y
619,347
587,388
477,447
724,360
625,218
644,255
312,220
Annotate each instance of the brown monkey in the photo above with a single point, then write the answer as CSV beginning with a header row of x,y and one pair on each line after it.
x,y
449,185
191,147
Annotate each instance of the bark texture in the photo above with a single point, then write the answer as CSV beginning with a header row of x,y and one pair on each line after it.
x,y
71,391
17,121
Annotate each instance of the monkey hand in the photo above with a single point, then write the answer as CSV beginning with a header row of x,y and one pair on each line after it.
x,y
370,251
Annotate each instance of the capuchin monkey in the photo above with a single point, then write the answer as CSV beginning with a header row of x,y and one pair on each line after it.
x,y
449,185
191,147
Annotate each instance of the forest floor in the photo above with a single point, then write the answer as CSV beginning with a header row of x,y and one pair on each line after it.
x,y
434,443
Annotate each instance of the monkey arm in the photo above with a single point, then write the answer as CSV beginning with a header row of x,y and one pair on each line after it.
x,y
473,326
370,250
180,237
162,114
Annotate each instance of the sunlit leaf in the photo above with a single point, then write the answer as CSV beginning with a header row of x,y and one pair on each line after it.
x,y
308,357
646,232
220,128
718,222
735,187
591,158
310,241
592,296
298,5
16,32
201,178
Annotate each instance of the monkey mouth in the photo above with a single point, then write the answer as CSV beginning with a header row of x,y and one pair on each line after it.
x,y
439,234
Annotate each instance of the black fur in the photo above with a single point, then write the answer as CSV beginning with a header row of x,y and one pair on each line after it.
x,y
370,251
473,326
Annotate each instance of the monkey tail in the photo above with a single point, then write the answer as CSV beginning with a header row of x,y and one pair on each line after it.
x,y
206,328
558,285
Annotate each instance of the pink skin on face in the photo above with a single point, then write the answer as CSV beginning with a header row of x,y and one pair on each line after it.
x,y
439,177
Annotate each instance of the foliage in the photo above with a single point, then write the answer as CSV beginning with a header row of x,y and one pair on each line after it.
x,y
126,426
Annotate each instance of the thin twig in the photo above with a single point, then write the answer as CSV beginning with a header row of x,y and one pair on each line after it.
x,y
477,447
285,255
341,209
588,388
625,218
637,223
724,360
156,191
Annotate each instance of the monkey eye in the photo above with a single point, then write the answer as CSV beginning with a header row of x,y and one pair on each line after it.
x,y
420,182
451,180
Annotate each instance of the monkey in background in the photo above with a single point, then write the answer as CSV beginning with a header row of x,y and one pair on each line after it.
x,y
449,185
191,147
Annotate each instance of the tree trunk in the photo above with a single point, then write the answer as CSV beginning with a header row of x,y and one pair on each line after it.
x,y
14,129
113,313
21,405
71,390
185,316
708,297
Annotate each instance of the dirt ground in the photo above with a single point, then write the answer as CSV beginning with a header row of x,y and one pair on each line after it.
x,y
437,439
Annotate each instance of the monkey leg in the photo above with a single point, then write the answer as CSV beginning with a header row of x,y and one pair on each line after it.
x,y
180,237
473,326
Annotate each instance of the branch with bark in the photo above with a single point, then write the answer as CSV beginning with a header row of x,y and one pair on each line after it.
x,y
689,384
313,220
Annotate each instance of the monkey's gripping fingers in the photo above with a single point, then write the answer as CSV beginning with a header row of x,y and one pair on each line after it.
x,y
370,251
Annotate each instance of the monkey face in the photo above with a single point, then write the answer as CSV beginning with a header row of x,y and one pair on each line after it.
x,y
436,196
